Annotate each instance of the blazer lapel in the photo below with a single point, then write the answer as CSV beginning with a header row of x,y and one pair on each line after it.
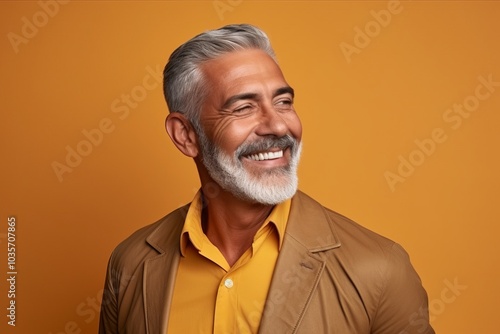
x,y
295,279
299,267
158,289
160,272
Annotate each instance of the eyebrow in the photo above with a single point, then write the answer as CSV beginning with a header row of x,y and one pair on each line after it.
x,y
255,96
284,90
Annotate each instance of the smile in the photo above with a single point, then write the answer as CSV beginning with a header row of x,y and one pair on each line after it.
x,y
266,156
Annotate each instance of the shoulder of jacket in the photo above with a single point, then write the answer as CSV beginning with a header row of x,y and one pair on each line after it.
x,y
350,234
348,228
366,251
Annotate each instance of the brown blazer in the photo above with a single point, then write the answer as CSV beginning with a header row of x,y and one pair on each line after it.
x,y
332,276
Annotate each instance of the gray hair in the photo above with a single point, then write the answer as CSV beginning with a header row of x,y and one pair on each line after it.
x,y
183,82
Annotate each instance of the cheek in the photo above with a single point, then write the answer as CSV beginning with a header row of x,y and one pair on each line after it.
x,y
229,134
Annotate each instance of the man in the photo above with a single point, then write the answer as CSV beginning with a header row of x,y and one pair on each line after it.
x,y
251,253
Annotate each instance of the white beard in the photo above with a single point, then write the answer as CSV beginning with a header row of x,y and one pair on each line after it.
x,y
271,187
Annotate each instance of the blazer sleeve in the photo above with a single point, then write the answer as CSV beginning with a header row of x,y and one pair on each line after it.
x,y
108,320
403,305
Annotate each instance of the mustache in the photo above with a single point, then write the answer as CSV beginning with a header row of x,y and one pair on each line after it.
x,y
266,143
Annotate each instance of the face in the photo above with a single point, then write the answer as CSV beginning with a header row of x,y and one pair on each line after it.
x,y
250,136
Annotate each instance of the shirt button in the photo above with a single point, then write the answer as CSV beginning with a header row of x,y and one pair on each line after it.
x,y
228,283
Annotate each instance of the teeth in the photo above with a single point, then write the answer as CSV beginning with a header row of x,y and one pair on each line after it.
x,y
266,156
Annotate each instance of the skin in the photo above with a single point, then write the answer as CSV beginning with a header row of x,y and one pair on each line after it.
x,y
248,98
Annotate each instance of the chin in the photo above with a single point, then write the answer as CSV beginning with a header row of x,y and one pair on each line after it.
x,y
269,192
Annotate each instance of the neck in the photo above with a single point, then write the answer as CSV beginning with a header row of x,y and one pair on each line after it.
x,y
231,223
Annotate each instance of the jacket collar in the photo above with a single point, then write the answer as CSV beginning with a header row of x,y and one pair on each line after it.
x,y
304,209
166,236
310,225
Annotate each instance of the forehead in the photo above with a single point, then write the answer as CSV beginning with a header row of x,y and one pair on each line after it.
x,y
242,69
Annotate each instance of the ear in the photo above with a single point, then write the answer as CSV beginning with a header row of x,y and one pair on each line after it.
x,y
182,134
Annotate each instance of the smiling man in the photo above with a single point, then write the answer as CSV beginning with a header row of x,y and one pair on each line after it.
x,y
251,253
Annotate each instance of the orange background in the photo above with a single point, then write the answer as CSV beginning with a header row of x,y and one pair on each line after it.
x,y
360,113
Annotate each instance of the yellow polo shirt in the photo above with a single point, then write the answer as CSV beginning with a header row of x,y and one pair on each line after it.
x,y
212,297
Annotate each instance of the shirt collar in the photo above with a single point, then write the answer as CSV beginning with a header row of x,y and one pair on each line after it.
x,y
193,231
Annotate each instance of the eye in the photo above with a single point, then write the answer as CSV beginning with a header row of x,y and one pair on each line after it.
x,y
284,103
243,108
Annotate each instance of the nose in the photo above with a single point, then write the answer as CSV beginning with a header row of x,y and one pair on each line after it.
x,y
271,122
